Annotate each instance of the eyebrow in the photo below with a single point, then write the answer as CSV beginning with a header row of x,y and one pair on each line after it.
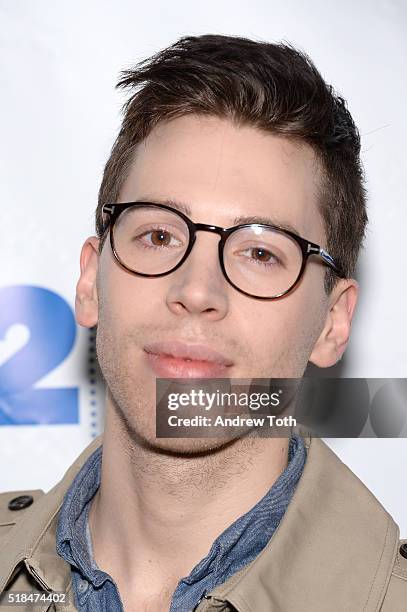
x,y
262,220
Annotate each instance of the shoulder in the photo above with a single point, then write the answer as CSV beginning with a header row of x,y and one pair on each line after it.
x,y
14,505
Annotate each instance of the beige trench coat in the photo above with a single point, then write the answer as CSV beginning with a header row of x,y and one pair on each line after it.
x,y
336,549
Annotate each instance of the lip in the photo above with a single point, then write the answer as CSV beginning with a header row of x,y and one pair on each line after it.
x,y
175,359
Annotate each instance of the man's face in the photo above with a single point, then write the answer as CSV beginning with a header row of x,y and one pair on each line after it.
x,y
220,172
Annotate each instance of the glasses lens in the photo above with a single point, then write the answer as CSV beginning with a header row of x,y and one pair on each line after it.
x,y
261,261
150,240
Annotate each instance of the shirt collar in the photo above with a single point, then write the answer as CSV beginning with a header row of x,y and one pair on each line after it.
x,y
71,541
249,533
242,540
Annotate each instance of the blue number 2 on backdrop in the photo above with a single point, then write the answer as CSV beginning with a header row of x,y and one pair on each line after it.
x,y
51,331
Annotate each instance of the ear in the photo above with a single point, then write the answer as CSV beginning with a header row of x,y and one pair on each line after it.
x,y
333,339
86,302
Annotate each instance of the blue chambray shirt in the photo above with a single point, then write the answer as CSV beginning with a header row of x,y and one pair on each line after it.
x,y
238,545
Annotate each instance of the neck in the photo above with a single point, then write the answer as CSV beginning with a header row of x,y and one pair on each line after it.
x,y
156,515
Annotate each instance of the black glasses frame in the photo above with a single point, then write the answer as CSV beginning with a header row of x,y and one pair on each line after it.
x,y
113,211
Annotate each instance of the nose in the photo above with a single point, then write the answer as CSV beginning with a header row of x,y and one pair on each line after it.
x,y
198,286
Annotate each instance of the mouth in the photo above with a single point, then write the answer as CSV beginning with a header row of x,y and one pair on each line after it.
x,y
174,359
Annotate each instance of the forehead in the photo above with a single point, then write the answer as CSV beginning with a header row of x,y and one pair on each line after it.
x,y
223,171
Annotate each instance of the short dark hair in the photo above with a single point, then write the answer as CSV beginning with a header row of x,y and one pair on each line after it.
x,y
275,88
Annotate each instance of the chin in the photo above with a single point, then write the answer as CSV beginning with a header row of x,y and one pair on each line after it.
x,y
185,446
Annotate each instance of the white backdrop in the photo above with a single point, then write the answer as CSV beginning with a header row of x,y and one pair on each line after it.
x,y
59,114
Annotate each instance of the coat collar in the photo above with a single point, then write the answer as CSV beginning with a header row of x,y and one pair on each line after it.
x,y
333,550
334,547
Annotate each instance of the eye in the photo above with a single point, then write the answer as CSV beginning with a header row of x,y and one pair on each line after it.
x,y
158,237
261,255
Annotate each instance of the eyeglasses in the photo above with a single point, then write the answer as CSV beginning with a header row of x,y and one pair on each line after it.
x,y
261,261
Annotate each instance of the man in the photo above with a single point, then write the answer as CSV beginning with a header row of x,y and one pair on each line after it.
x,y
219,132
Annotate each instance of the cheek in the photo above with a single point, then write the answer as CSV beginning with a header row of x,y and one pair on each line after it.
x,y
278,330
123,297
281,334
